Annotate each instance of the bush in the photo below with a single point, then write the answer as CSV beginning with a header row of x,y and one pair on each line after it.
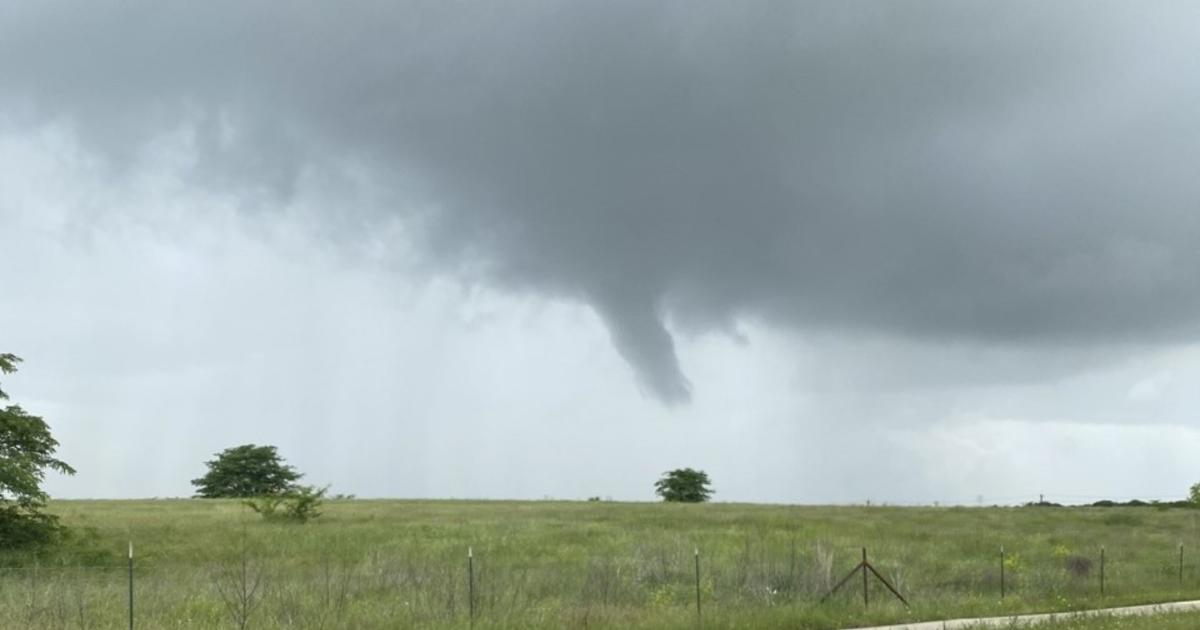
x,y
21,528
298,505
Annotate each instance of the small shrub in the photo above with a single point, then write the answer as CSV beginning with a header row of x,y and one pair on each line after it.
x,y
1012,562
266,507
298,505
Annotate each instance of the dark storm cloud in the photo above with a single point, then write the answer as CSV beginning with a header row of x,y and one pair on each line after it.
x,y
1010,173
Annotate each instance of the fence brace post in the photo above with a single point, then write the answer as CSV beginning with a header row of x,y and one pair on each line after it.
x,y
866,585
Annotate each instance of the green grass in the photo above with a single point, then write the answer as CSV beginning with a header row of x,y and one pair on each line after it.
x,y
401,564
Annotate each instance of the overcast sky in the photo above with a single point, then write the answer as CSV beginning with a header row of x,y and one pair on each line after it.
x,y
826,251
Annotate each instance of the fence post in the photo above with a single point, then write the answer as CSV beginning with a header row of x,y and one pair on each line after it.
x,y
131,585
699,617
1001,571
471,583
866,597
1101,570
1181,564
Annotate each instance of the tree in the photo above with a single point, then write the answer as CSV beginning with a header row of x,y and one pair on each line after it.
x,y
1194,494
246,471
8,365
26,452
684,485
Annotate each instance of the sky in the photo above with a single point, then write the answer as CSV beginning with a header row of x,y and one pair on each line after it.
x,y
828,252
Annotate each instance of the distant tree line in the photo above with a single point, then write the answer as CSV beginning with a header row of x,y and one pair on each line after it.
x,y
1190,503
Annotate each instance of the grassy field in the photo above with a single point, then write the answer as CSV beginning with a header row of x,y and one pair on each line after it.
x,y
401,564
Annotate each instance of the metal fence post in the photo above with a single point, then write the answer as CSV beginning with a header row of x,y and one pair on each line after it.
x,y
866,597
699,618
131,585
471,583
1001,571
1102,571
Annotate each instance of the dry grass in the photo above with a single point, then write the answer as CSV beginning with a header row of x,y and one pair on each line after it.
x,y
388,564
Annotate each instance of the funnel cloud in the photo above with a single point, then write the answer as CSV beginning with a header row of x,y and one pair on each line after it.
x,y
1018,175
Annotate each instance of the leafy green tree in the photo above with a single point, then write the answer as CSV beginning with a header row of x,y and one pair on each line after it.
x,y
246,471
684,485
1194,494
26,452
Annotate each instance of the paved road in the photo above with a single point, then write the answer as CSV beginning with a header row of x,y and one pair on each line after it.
x,y
1017,621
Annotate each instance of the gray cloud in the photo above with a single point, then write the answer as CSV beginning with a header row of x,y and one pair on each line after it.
x,y
1016,174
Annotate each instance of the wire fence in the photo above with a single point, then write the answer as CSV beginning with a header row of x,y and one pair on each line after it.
x,y
247,590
